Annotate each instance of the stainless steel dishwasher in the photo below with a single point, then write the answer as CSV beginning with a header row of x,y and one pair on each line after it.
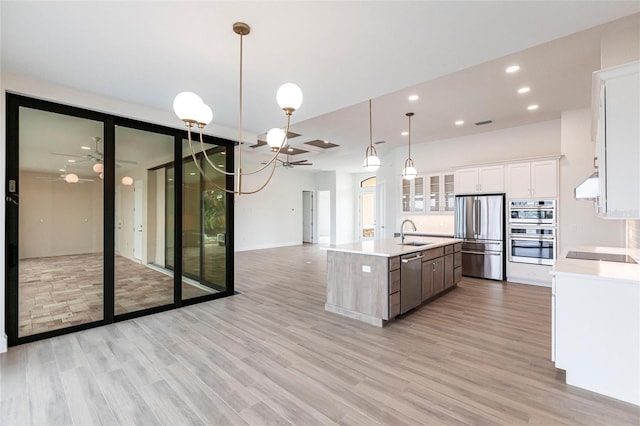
x,y
410,281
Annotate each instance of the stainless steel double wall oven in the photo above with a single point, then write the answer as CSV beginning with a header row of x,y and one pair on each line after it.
x,y
532,231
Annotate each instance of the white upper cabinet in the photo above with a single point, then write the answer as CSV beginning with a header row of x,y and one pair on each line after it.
x,y
413,195
483,179
617,99
532,179
440,195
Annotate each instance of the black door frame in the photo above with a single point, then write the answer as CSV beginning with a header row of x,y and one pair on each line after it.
x,y
13,103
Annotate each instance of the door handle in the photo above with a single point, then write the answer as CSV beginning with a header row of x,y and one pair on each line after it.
x,y
411,259
491,253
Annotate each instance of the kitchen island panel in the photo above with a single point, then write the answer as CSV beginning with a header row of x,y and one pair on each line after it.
x,y
354,292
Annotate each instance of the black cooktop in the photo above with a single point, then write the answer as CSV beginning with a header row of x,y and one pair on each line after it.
x,y
607,257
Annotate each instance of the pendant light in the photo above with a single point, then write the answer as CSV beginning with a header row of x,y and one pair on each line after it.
x,y
409,172
190,108
371,160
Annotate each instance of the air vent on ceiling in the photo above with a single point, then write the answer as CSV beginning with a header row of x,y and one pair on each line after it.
x,y
482,123
258,143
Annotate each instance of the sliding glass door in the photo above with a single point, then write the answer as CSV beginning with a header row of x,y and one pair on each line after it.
x,y
60,222
142,280
204,224
81,184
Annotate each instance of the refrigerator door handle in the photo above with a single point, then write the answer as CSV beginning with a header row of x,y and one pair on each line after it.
x,y
473,214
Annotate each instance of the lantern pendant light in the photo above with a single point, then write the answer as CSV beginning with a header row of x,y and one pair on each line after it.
x,y
371,160
409,171
190,108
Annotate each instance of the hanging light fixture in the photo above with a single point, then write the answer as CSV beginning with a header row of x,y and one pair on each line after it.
x,y
371,160
190,108
409,172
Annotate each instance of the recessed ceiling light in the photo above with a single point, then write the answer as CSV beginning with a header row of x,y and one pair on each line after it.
x,y
170,179
326,141
71,161
524,90
290,149
532,107
85,147
405,133
512,68
459,122
223,153
414,97
62,170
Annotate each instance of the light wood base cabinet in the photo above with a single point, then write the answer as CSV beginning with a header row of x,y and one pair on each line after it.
x,y
369,287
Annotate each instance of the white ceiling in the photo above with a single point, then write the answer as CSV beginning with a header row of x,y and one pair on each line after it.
x,y
452,54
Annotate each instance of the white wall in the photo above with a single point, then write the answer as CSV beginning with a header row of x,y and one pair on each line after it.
x,y
346,208
326,181
579,224
273,216
58,218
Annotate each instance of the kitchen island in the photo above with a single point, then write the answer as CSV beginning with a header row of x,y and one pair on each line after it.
x,y
375,281
595,308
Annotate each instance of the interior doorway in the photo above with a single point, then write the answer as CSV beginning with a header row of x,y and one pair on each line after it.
x,y
323,217
367,209
307,217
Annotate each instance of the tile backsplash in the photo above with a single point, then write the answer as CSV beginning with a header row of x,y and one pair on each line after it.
x,y
633,234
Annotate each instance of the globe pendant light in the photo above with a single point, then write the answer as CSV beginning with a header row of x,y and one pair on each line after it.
x,y
371,160
192,110
409,171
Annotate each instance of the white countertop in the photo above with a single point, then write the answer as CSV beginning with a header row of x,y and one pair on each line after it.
x,y
392,247
598,268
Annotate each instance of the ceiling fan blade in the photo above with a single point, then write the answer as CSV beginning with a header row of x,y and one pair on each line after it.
x,y
303,164
68,155
299,162
126,161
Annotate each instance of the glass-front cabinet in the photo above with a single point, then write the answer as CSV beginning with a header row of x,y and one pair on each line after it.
x,y
440,194
413,195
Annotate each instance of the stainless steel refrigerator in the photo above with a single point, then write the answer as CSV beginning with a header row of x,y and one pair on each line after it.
x,y
479,222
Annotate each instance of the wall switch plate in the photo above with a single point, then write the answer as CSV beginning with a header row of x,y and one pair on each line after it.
x,y
366,268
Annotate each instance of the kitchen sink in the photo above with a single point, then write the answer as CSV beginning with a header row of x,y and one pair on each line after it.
x,y
414,243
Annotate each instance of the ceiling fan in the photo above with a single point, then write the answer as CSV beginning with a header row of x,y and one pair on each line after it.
x,y
291,164
95,157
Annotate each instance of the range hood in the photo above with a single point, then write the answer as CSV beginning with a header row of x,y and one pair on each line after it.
x,y
589,189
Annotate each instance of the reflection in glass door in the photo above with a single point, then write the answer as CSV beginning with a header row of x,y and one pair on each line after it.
x,y
60,216
142,279
204,223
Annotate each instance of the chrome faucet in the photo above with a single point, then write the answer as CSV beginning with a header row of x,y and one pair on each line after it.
x,y
402,229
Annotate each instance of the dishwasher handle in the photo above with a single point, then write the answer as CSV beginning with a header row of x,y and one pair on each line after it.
x,y
411,259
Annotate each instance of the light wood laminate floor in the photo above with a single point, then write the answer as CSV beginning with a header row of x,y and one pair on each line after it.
x,y
272,355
